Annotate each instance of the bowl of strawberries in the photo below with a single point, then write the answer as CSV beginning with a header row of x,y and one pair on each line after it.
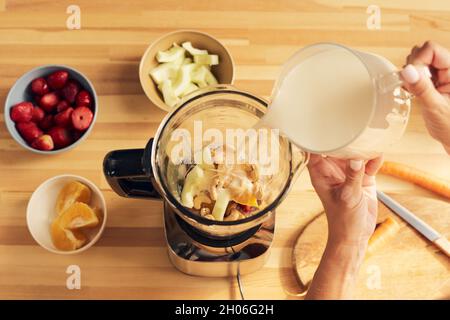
x,y
51,109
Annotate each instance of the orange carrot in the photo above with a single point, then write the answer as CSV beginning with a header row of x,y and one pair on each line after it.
x,y
382,234
418,177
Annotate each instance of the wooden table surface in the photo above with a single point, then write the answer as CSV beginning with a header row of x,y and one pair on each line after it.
x,y
130,260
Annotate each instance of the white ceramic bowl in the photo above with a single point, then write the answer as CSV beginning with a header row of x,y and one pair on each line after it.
x,y
41,211
21,91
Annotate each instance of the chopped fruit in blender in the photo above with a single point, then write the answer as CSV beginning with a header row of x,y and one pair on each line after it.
x,y
222,200
72,192
78,215
82,118
22,112
49,101
61,136
66,240
222,191
70,90
29,131
83,99
177,75
44,143
57,79
63,119
39,86
38,115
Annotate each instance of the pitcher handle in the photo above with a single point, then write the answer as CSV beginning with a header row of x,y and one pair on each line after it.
x,y
389,81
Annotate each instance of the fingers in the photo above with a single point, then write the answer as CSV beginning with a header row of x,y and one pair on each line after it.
x,y
315,168
372,166
430,54
314,159
443,77
421,86
354,174
444,88
351,190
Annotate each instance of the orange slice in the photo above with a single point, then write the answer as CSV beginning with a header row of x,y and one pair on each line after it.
x,y
78,215
246,199
99,213
72,192
66,240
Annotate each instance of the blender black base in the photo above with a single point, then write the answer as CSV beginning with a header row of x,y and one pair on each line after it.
x,y
195,254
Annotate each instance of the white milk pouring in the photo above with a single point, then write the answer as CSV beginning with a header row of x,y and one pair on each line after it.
x,y
331,102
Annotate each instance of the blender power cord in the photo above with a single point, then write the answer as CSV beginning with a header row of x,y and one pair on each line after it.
x,y
238,278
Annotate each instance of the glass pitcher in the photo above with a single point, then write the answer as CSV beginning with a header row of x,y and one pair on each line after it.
x,y
337,101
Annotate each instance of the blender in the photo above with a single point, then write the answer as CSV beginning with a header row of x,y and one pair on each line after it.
x,y
197,245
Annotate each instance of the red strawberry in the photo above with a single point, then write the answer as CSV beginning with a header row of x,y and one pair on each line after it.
x,y
83,99
49,101
71,90
29,131
38,115
22,112
47,122
62,105
39,86
82,118
58,79
44,142
63,119
61,137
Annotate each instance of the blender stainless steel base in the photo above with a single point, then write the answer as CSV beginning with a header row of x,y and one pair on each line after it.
x,y
196,254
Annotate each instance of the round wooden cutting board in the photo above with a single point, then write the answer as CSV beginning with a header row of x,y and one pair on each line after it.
x,y
408,266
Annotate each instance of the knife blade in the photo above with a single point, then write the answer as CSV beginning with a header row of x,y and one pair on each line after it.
x,y
425,229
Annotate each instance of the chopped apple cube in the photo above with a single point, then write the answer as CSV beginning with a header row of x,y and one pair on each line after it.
x,y
168,93
209,59
170,55
193,51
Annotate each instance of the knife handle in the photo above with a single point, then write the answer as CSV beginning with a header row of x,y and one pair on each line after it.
x,y
443,244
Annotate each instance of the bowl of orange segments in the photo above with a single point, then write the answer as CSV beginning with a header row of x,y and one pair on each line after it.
x,y
66,214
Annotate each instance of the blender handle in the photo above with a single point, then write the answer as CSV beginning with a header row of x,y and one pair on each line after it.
x,y
129,172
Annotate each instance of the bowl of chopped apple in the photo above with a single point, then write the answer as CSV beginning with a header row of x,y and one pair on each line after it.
x,y
180,62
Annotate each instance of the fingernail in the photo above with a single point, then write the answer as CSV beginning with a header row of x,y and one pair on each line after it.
x,y
410,74
356,165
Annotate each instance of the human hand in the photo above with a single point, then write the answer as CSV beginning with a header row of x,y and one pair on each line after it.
x,y
347,190
434,92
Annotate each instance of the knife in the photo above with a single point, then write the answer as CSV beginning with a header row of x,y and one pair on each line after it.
x,y
426,230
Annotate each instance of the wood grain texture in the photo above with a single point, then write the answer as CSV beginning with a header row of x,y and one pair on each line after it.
x,y
406,266
130,261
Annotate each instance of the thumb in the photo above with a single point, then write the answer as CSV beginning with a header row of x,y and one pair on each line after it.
x,y
418,82
354,176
